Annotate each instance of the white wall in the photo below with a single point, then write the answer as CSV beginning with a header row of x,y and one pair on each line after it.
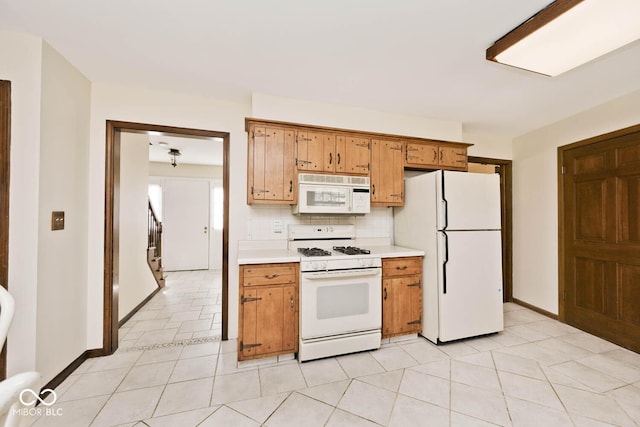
x,y
265,106
62,254
135,279
486,145
21,64
185,170
112,102
535,191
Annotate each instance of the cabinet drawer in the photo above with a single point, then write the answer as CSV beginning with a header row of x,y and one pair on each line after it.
x,y
401,266
269,274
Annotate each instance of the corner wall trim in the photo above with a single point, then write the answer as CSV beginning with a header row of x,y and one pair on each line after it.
x,y
126,318
58,379
536,309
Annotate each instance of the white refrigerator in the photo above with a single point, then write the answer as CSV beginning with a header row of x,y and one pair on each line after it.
x,y
454,217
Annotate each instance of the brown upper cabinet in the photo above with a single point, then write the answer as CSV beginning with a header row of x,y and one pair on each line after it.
x,y
310,150
354,155
332,153
271,177
387,173
436,155
278,151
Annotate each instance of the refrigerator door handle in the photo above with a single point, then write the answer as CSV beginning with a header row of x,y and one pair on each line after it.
x,y
444,263
445,203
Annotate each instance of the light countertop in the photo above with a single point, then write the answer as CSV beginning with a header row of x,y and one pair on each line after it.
x,y
268,256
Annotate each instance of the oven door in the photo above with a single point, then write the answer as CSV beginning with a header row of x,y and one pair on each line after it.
x,y
340,302
323,199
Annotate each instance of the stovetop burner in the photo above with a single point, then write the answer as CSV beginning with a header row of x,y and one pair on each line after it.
x,y
351,250
313,252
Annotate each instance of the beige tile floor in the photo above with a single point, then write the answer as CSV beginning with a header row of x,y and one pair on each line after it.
x,y
171,370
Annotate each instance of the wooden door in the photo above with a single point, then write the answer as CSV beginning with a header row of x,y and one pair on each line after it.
x,y
421,155
601,238
401,305
329,149
387,173
5,156
341,149
452,157
310,151
271,165
357,155
268,320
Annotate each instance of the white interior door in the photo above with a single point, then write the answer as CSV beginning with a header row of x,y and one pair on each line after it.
x,y
185,225
470,285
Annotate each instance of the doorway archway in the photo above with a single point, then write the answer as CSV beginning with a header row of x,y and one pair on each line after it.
x,y
111,224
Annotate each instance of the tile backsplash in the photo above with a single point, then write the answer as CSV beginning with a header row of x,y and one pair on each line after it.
x,y
264,220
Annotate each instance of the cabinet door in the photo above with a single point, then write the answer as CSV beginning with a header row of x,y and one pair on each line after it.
x,y
358,154
310,151
290,319
270,172
453,157
329,149
421,155
263,321
387,173
401,305
341,148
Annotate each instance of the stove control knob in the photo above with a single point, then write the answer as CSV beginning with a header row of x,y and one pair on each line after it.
x,y
323,265
313,265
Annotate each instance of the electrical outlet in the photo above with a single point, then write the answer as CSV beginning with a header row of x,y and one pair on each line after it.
x,y
277,226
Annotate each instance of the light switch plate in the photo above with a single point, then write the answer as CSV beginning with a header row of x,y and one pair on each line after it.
x,y
57,220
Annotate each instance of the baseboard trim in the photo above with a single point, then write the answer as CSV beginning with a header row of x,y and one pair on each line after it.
x,y
536,309
58,379
126,318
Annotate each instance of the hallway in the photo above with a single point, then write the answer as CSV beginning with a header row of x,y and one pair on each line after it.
x,y
187,310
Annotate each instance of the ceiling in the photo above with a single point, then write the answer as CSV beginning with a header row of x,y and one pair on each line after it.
x,y
194,151
415,57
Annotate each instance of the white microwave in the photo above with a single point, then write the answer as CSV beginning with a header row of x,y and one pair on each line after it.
x,y
332,194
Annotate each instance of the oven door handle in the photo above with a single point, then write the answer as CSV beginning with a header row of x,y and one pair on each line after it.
x,y
341,274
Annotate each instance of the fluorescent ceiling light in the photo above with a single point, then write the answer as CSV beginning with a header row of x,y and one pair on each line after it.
x,y
567,34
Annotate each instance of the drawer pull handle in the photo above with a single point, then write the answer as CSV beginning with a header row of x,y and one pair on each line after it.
x,y
404,267
414,284
385,294
414,322
250,299
271,276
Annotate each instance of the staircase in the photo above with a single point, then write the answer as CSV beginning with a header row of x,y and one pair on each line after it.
x,y
154,246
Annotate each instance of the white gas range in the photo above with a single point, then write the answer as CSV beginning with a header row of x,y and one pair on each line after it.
x,y
340,291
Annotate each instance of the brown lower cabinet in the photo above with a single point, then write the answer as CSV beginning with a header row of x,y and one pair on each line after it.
x,y
268,310
401,296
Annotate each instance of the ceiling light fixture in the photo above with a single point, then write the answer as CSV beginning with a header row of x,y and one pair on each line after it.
x,y
174,152
567,34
